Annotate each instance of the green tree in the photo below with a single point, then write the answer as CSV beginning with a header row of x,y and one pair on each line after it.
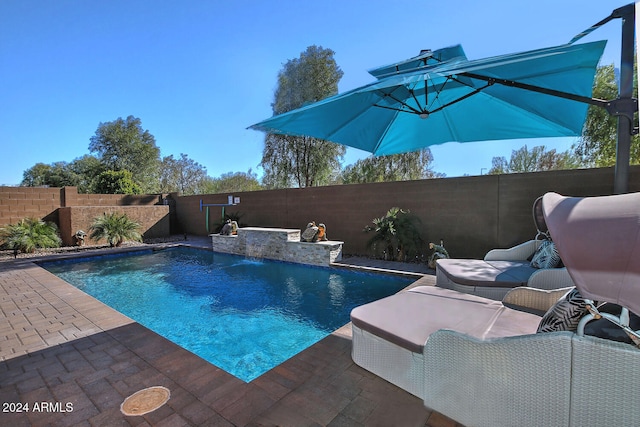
x,y
303,161
36,176
534,160
87,168
597,146
396,167
57,174
80,173
232,182
499,166
116,182
182,175
124,145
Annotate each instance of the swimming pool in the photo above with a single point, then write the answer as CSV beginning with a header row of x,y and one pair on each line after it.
x,y
244,316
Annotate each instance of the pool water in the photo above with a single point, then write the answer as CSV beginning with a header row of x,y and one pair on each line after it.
x,y
244,316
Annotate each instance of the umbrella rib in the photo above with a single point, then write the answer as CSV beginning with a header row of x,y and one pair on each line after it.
x,y
404,104
425,110
413,95
462,98
438,92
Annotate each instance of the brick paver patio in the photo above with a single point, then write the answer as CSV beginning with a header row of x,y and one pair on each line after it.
x,y
63,348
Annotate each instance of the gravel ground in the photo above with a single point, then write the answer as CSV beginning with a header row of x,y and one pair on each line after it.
x,y
8,255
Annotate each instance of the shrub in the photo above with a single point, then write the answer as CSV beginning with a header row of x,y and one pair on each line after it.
x,y
117,182
115,228
30,234
399,234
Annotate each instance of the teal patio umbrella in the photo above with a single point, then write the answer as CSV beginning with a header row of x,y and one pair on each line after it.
x,y
441,96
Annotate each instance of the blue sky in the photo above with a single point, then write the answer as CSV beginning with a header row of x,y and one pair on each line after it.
x,y
197,73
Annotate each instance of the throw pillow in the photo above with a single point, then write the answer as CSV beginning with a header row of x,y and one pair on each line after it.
x,y
565,314
546,256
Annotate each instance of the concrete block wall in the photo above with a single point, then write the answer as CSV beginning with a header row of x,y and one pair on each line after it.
x,y
153,220
471,214
72,211
17,203
116,200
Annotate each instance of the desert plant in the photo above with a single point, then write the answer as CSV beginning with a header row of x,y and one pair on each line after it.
x,y
30,234
399,234
115,228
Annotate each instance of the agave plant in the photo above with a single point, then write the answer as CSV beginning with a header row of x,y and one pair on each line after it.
x,y
398,232
30,234
115,228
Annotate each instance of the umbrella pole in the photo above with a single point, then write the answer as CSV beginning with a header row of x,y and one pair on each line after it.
x,y
627,109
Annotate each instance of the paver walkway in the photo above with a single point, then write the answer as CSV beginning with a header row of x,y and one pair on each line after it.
x,y
61,347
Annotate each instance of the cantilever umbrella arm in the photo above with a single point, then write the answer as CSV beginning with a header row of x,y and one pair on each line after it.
x,y
617,107
625,106
533,88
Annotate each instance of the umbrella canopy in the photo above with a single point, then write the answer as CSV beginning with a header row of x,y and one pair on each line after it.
x,y
441,96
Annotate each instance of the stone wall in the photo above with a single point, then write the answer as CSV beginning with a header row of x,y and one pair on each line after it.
x,y
228,244
278,244
318,253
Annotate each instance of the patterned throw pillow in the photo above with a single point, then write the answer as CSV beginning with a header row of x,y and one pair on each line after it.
x,y
546,256
565,314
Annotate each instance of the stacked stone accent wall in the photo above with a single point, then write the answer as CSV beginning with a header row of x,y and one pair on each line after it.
x,y
228,244
278,244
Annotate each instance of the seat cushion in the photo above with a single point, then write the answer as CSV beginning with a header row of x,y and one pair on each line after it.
x,y
408,318
474,272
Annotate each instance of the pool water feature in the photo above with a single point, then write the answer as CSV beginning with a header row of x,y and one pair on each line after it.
x,y
245,316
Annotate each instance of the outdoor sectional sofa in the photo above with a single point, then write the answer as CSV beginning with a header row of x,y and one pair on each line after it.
x,y
483,362
390,335
504,269
500,271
